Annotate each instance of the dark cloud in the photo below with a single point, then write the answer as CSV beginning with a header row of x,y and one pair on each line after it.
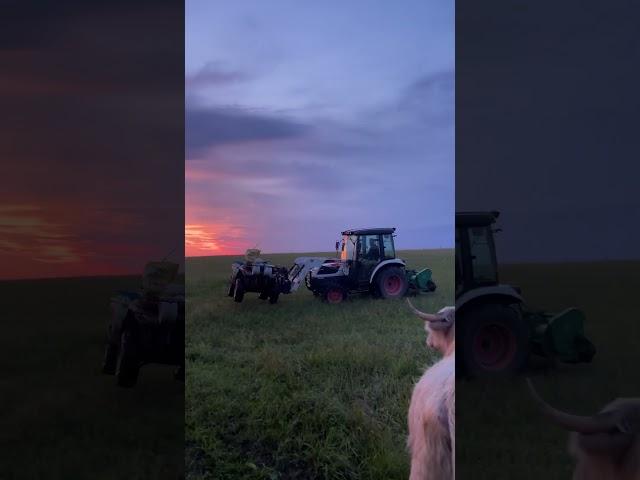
x,y
214,126
214,74
440,84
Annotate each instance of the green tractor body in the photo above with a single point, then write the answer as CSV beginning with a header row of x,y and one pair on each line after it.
x,y
497,331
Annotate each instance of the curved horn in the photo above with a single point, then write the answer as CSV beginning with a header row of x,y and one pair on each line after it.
x,y
574,423
427,317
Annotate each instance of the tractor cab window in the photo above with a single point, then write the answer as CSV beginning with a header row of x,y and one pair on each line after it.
x,y
482,258
387,244
348,247
369,247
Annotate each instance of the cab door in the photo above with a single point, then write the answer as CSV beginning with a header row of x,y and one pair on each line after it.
x,y
368,256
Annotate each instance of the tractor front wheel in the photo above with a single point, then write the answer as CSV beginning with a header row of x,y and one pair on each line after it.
x,y
496,340
334,294
392,282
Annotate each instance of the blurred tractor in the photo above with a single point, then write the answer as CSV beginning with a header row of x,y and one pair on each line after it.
x,y
496,332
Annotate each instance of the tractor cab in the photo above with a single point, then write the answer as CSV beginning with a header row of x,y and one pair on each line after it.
x,y
476,264
364,250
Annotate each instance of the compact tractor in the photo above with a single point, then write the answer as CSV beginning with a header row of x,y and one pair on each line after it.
x,y
496,331
146,326
365,262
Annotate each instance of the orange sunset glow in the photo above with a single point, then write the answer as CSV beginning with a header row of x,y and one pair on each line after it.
x,y
213,239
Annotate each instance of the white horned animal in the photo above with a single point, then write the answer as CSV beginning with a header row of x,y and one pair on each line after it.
x,y
605,445
432,411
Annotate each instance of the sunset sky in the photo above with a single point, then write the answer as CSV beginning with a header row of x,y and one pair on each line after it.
x,y
303,119
91,151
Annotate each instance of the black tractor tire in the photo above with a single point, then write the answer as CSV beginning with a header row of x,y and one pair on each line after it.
x,y
391,282
238,293
431,286
128,365
496,340
232,288
334,294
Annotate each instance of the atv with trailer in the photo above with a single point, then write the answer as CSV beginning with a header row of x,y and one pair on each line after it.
x,y
497,331
147,326
367,263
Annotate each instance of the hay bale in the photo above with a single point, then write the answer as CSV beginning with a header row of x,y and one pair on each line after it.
x,y
252,255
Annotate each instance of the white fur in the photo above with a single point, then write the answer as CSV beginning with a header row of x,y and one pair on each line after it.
x,y
432,411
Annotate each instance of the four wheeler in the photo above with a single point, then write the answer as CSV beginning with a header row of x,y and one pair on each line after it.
x,y
496,330
146,326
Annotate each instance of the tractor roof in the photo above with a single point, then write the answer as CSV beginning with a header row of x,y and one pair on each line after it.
x,y
476,219
369,231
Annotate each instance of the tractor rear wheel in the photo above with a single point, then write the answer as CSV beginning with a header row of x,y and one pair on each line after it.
x,y
334,294
392,282
496,340
238,292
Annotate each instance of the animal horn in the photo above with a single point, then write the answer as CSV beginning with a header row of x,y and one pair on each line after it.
x,y
575,423
427,317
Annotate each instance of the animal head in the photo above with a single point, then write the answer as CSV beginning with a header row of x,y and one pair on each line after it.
x,y
606,442
440,328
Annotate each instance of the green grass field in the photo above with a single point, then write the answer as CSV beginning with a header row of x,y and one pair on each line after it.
x,y
60,417
301,389
500,433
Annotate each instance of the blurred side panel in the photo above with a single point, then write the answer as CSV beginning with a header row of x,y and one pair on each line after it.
x,y
546,134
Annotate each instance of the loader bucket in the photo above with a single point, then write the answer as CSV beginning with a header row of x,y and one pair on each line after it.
x,y
564,337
